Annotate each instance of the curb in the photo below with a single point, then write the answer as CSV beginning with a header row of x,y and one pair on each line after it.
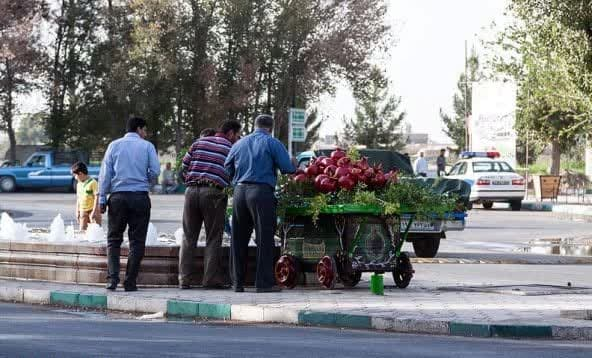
x,y
571,210
537,206
262,314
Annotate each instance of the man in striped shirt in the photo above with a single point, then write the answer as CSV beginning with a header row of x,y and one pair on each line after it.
x,y
205,202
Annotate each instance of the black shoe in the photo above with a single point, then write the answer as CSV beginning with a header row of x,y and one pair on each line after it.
x,y
185,286
239,289
111,286
268,289
130,288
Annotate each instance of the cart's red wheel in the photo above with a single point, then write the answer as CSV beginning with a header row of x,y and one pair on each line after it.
x,y
327,272
286,271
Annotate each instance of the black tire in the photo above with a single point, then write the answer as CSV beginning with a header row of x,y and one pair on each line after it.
x,y
7,184
487,204
426,247
351,279
402,271
516,205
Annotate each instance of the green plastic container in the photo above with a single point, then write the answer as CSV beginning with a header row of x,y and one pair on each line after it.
x,y
377,284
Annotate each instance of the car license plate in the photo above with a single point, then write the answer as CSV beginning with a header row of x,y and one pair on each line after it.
x,y
501,182
420,226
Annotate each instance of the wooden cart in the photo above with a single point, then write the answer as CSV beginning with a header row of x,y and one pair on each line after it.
x,y
344,242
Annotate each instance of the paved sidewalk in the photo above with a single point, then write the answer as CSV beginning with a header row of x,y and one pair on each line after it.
x,y
437,301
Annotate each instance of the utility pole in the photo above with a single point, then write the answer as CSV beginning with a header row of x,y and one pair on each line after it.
x,y
466,104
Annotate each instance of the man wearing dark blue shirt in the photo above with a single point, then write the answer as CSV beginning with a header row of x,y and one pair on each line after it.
x,y
253,163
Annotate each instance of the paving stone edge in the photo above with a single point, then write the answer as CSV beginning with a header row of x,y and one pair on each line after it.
x,y
573,210
257,313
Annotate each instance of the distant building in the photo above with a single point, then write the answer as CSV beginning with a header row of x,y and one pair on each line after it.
x,y
328,140
418,138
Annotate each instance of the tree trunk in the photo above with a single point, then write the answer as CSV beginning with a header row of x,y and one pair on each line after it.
x,y
8,111
11,138
178,124
555,157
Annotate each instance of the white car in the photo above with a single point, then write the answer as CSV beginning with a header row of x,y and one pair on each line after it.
x,y
491,179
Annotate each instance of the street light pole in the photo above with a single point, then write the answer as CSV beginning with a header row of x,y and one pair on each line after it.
x,y
466,100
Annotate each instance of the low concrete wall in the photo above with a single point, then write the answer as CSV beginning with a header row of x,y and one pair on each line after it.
x,y
87,263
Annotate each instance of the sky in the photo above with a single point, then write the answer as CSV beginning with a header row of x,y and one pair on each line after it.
x,y
426,60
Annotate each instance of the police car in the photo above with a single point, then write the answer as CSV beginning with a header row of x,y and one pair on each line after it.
x,y
491,179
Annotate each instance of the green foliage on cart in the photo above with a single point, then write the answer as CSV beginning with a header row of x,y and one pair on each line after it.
x,y
406,196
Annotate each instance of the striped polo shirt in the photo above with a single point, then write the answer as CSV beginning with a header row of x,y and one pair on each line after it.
x,y
204,163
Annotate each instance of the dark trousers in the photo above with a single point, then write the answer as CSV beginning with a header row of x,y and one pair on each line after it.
x,y
127,209
253,206
207,205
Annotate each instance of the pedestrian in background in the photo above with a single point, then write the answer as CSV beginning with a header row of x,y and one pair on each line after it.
x,y
87,197
130,164
253,163
441,163
169,183
421,166
205,203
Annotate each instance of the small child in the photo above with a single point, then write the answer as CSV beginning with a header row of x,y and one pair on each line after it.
x,y
87,197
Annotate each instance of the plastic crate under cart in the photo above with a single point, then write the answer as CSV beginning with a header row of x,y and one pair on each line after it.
x,y
344,242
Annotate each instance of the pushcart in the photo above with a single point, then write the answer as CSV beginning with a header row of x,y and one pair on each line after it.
x,y
341,243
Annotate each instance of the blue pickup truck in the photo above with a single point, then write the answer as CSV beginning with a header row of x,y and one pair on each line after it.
x,y
43,170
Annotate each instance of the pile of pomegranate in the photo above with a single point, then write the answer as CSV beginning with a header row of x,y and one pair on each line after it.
x,y
339,172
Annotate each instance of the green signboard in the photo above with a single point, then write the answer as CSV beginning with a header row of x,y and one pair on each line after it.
x,y
297,117
298,134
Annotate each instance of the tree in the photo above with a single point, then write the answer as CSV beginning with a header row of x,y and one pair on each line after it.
x,y
548,61
313,125
573,14
313,42
379,120
189,64
31,131
76,24
455,125
21,58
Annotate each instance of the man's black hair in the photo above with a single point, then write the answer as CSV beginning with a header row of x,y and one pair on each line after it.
x,y
264,121
230,125
134,123
79,168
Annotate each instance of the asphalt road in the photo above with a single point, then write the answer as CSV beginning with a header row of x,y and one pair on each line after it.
x,y
30,331
497,230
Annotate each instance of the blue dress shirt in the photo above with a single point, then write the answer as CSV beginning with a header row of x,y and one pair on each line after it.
x,y
256,158
130,164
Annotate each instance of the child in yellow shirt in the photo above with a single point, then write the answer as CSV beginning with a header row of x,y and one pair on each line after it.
x,y
87,197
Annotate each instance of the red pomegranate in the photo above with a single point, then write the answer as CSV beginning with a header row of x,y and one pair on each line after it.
x,y
337,154
346,183
330,170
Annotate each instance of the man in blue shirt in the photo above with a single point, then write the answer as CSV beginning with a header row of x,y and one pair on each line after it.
x,y
130,164
253,163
